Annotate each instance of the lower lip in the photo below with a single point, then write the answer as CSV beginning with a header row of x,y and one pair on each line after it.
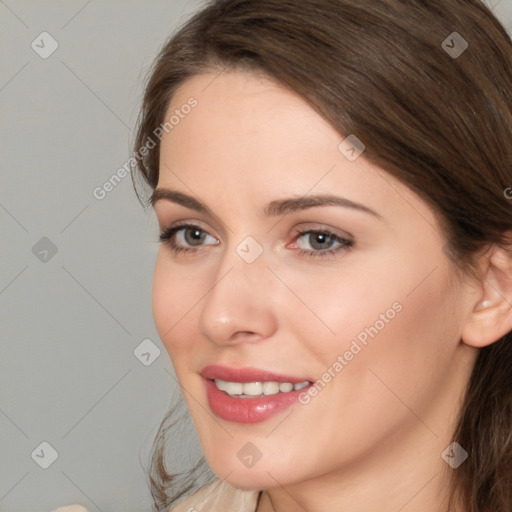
x,y
248,410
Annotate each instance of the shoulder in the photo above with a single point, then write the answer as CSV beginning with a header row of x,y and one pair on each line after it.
x,y
219,496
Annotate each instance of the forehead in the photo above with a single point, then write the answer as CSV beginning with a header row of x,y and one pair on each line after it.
x,y
247,125
236,106
249,137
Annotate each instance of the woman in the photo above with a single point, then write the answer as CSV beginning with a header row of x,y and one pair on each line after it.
x,y
334,282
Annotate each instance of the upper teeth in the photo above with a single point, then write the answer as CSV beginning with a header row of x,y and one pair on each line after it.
x,y
258,388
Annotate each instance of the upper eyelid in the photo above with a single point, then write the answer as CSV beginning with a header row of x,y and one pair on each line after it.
x,y
287,209
310,226
305,226
322,227
299,233
188,224
220,226
206,225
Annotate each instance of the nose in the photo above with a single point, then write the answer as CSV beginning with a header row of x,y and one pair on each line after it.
x,y
239,306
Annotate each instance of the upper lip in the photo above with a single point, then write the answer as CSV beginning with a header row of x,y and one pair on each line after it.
x,y
246,374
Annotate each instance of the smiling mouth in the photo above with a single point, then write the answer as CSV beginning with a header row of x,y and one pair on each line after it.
x,y
259,388
248,394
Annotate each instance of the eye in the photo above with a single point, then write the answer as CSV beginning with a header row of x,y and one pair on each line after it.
x,y
321,243
189,238
186,238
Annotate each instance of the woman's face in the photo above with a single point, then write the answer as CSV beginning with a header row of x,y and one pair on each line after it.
x,y
304,265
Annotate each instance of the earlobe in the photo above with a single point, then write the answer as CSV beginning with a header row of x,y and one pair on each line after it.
x,y
491,317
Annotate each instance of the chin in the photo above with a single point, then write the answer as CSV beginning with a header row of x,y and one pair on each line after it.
x,y
249,480
260,476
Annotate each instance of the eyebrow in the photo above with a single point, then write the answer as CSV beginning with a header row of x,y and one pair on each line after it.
x,y
274,208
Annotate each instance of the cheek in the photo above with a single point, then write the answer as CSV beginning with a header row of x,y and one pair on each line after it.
x,y
399,319
423,338
331,307
386,291
401,344
388,369
175,294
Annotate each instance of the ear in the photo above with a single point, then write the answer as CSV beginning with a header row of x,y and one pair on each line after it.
x,y
491,317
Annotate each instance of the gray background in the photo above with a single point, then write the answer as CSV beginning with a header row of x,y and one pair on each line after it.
x,y
72,320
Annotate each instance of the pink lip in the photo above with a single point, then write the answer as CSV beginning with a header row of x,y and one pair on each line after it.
x,y
247,410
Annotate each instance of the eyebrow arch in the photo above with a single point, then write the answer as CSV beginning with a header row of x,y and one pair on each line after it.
x,y
285,206
274,208
179,198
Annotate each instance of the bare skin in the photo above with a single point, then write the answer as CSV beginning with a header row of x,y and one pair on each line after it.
x,y
372,438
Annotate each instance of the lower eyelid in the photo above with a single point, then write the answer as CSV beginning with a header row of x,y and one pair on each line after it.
x,y
168,236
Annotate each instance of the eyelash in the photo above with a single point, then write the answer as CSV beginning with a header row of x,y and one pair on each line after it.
x,y
167,236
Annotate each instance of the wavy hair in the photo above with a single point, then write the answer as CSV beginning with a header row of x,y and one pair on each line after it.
x,y
439,122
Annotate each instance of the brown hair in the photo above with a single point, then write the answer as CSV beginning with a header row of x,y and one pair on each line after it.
x,y
439,122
